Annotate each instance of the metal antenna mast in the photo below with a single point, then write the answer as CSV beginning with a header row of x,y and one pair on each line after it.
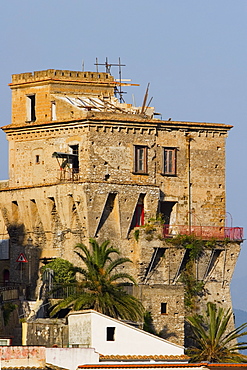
x,y
118,90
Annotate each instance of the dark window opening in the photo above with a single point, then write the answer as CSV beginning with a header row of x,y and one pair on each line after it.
x,y
37,159
158,253
165,209
170,161
75,160
31,116
214,257
185,260
5,277
163,308
15,210
140,159
138,217
110,333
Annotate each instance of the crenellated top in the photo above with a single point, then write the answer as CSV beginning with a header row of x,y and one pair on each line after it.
x,y
65,75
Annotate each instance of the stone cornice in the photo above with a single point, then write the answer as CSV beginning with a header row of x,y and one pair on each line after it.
x,y
116,119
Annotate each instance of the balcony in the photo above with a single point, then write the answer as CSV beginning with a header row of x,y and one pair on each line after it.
x,y
68,174
204,232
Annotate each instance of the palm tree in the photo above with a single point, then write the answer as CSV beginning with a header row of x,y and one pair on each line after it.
x,y
101,286
213,341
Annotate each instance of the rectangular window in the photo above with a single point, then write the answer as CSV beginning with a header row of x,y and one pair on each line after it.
x,y
75,160
163,309
31,116
170,159
140,159
110,333
138,217
53,111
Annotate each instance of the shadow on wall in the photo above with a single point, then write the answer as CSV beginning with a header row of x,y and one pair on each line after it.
x,y
16,233
166,334
149,327
24,258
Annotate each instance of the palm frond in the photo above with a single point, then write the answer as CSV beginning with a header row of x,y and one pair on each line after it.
x,y
101,287
214,342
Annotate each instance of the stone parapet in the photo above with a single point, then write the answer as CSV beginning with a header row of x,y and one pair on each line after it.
x,y
61,75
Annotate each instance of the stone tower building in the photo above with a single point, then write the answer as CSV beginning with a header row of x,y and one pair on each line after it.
x,y
82,164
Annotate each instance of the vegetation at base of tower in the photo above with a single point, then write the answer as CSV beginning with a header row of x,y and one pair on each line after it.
x,y
136,234
148,325
7,309
62,271
101,285
194,288
153,225
213,342
193,244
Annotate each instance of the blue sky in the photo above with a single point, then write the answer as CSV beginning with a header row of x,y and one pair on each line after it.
x,y
193,53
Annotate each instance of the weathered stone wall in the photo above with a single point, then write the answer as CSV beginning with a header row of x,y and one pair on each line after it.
x,y
106,154
12,328
46,332
170,325
47,84
45,210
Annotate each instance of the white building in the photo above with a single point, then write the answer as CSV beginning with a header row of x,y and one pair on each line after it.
x,y
109,336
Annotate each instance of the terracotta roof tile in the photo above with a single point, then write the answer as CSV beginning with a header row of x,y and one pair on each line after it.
x,y
143,357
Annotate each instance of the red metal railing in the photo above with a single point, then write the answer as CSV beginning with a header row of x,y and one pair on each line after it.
x,y
204,232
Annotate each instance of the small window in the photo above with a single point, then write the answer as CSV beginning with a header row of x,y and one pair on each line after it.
x,y
5,276
140,159
37,159
110,333
138,218
163,308
170,159
75,160
53,111
31,116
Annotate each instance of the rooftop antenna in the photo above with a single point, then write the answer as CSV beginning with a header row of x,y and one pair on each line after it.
x,y
120,91
149,103
134,101
145,99
108,66
82,65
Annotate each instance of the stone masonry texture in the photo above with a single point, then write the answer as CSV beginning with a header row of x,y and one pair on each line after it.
x,y
47,205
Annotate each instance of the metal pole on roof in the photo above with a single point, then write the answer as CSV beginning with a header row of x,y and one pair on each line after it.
x,y
97,65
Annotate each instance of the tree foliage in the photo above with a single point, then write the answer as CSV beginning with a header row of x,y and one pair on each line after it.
x,y
62,271
7,309
194,248
101,284
148,324
213,341
193,244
